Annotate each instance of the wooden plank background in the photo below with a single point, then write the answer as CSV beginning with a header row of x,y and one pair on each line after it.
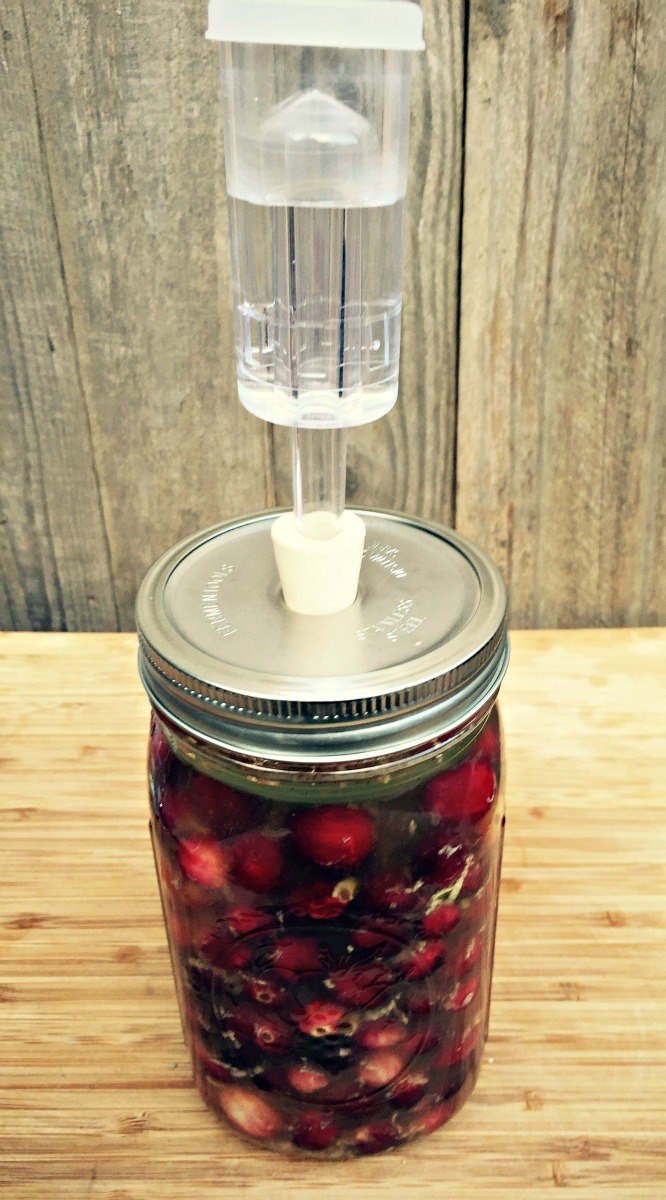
x,y
532,412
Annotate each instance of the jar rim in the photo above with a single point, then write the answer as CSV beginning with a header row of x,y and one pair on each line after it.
x,y
432,671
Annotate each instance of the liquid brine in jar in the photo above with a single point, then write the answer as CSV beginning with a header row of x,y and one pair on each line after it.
x,y
327,821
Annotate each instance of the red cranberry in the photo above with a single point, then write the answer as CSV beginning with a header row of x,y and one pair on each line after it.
x,y
257,862
409,1089
381,935
320,1018
443,860
474,877
457,1051
441,919
463,994
433,1119
376,1136
205,807
465,793
465,957
265,992
393,890
249,1112
420,1001
293,957
205,1060
315,1131
205,862
381,1034
420,960
361,986
335,835
265,1029
305,1078
222,951
423,1040
321,901
247,920
380,1067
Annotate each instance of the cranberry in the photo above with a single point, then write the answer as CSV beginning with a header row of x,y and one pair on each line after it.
x,y
335,836
465,793
442,860
380,1067
434,1118
457,1051
362,986
305,1078
393,890
202,806
315,1131
474,877
222,951
409,1089
382,936
381,1034
420,1001
465,957
205,862
264,1029
293,957
463,994
322,901
441,919
257,862
265,992
420,960
247,920
320,1018
250,1113
205,1061
376,1136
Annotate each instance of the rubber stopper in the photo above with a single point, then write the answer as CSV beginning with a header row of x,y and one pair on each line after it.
x,y
319,561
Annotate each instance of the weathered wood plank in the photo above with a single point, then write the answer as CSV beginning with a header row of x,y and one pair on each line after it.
x,y
406,461
561,471
54,559
128,100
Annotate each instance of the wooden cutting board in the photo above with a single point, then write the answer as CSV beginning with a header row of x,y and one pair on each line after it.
x,y
95,1087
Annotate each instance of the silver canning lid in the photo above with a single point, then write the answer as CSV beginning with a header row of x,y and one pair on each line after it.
x,y
422,649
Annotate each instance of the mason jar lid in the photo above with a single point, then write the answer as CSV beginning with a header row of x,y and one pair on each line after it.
x,y
421,651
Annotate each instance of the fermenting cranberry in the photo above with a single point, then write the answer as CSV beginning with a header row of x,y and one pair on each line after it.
x,y
257,862
465,793
335,835
315,1130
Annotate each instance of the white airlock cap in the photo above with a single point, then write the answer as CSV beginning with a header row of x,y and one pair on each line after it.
x,y
319,561
344,24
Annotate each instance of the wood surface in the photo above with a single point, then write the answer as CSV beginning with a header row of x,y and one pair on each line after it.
x,y
96,1096
561,465
532,412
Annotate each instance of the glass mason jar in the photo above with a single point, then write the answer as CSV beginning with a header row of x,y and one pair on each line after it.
x,y
327,820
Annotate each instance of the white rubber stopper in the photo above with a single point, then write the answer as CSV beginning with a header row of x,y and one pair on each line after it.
x,y
319,561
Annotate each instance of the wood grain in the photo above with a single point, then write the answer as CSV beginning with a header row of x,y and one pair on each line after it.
x,y
561,469
115,217
55,570
121,427
95,1088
